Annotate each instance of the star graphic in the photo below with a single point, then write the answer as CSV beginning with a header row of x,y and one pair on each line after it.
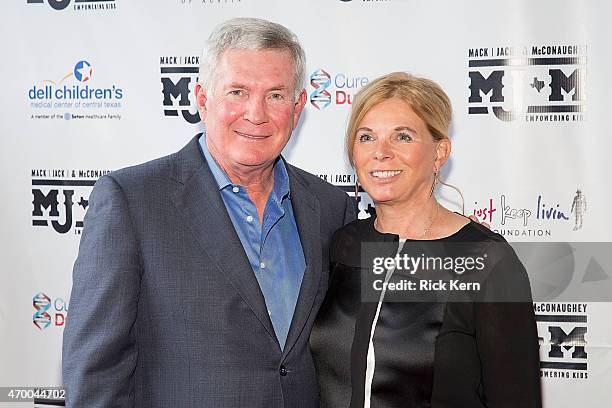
x,y
83,70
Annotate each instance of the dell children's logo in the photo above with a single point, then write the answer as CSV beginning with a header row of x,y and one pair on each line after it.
x,y
76,95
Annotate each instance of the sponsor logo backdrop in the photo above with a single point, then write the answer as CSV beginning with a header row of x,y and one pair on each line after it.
x,y
91,86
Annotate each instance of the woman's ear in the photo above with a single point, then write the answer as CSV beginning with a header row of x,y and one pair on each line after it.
x,y
443,150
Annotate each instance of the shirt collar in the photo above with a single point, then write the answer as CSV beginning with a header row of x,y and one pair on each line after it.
x,y
281,177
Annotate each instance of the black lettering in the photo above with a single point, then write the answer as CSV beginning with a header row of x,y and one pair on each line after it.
x,y
58,4
560,81
493,83
65,227
575,339
180,89
45,201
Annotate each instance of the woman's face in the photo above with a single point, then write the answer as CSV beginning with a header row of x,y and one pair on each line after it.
x,y
394,153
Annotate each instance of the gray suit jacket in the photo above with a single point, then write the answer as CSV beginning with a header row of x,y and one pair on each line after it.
x,y
165,309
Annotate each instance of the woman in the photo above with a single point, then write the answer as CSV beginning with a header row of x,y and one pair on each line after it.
x,y
470,349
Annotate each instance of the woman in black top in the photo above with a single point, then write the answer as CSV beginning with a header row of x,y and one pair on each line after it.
x,y
464,348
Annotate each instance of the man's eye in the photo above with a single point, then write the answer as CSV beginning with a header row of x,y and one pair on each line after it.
x,y
236,92
277,96
364,137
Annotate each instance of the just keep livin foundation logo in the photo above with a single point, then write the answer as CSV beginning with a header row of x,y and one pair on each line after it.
x,y
533,84
76,96
543,215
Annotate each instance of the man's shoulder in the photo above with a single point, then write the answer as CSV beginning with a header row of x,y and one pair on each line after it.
x,y
317,185
159,171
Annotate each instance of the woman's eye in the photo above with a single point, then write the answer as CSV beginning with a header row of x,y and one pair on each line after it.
x,y
404,137
364,137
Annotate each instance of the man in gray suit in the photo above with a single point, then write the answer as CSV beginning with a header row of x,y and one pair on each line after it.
x,y
199,274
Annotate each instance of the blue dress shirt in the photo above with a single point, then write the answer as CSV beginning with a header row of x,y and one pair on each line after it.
x,y
273,247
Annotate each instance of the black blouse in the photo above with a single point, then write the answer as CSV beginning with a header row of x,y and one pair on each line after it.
x,y
445,353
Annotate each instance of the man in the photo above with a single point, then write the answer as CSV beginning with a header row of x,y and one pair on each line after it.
x,y
199,274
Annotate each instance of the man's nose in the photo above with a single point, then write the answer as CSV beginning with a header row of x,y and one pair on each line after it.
x,y
255,111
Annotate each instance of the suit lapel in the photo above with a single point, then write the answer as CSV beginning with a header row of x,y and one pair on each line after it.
x,y
197,198
307,217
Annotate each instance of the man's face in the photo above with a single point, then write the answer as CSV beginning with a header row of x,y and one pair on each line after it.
x,y
252,110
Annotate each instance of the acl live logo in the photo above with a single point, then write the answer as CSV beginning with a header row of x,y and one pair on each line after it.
x,y
61,197
338,89
75,100
78,4
48,313
543,83
562,334
179,75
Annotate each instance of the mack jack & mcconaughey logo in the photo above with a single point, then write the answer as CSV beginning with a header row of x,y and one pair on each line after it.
x,y
562,331
541,83
60,198
179,75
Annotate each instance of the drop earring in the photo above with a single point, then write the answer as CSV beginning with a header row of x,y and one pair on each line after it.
x,y
435,181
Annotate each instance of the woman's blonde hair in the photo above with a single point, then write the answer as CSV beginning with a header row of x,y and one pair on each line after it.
x,y
425,97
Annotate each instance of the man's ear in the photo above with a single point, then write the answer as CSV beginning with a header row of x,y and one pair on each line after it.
x,y
201,98
299,107
443,151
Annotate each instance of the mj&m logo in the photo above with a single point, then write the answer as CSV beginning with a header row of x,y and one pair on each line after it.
x,y
544,83
60,198
179,75
562,330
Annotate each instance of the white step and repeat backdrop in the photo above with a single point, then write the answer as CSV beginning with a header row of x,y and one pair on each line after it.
x,y
91,86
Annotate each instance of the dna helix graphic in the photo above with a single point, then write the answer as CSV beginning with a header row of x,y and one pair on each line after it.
x,y
320,80
41,318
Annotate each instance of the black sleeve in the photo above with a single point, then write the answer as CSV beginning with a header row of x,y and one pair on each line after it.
x,y
506,337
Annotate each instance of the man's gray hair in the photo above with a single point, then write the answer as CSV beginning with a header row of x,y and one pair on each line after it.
x,y
252,34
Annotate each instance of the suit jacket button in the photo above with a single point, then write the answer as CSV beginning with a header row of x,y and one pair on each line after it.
x,y
283,370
